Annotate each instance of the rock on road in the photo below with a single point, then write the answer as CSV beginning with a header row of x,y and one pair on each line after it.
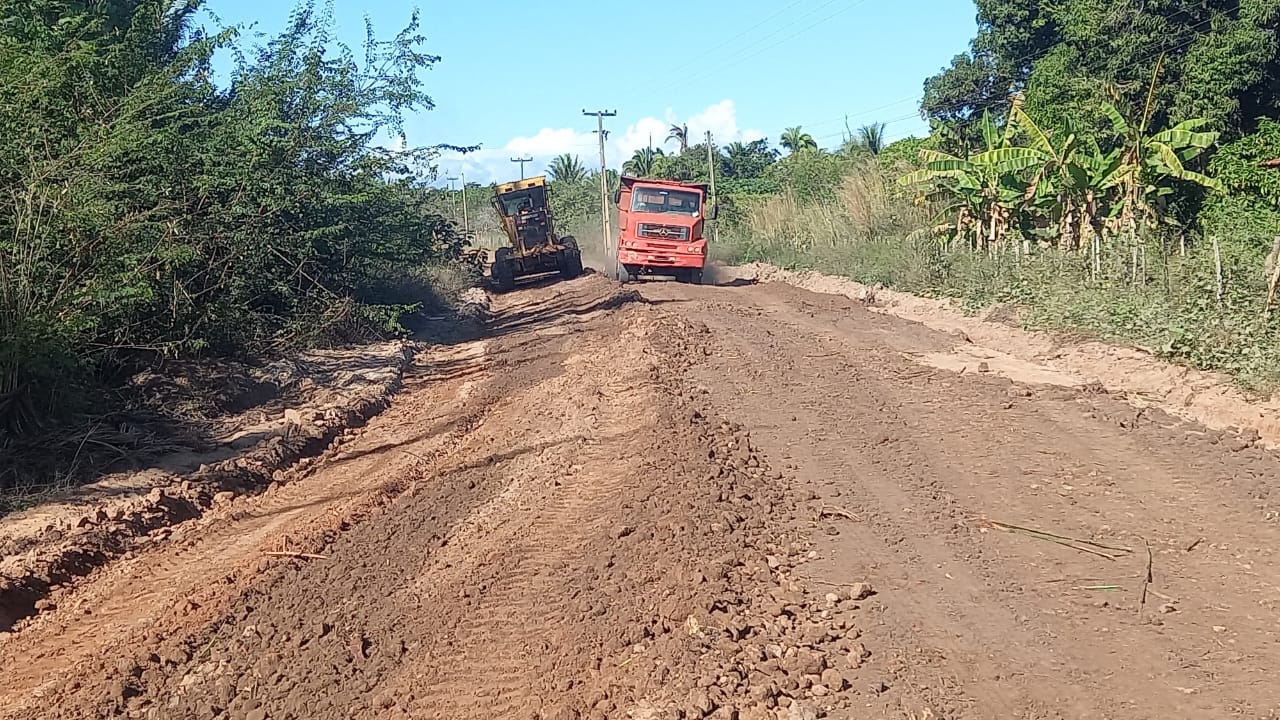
x,y
673,501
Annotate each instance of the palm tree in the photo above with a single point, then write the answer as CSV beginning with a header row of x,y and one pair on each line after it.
x,y
735,158
871,138
566,168
680,133
794,140
642,162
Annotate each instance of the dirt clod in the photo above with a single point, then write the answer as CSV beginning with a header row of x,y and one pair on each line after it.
x,y
860,591
799,710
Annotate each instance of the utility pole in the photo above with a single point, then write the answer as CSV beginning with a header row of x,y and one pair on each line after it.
x,y
452,190
522,161
711,168
466,225
604,188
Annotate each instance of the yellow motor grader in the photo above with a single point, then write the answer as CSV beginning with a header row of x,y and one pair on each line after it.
x,y
533,247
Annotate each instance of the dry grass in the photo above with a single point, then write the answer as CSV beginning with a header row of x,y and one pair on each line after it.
x,y
875,235
867,208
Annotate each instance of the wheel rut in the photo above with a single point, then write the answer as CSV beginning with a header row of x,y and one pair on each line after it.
x,y
674,502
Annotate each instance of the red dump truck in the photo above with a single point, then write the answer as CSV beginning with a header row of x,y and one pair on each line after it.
x,y
660,229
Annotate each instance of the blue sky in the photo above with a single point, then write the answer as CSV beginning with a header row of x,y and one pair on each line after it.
x,y
515,76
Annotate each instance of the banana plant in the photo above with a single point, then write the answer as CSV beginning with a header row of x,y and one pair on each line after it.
x,y
1149,162
984,191
1074,184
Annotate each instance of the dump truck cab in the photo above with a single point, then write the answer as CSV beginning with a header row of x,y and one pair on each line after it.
x,y
661,228
533,247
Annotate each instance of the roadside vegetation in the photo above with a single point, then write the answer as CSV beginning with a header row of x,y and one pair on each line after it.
x,y
1103,167
172,193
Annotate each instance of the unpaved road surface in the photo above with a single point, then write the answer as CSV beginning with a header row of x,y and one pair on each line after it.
x,y
669,501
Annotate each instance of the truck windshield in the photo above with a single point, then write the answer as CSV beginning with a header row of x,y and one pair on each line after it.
x,y
655,200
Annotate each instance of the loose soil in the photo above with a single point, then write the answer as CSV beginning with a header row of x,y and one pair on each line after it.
x,y
1207,398
673,501
257,421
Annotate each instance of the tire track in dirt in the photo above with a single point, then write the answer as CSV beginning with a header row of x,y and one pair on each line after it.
x,y
558,524
182,581
983,624
224,551
498,679
590,544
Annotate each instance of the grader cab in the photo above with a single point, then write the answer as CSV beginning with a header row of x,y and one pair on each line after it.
x,y
533,248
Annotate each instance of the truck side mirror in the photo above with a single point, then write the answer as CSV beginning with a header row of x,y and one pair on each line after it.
x,y
715,212
617,196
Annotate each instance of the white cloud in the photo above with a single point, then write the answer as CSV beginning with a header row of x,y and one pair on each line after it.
x,y
549,143
720,119
488,165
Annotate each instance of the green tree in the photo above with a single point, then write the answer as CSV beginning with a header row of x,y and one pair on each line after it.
x,y
643,162
566,168
688,166
147,213
1249,208
795,139
868,140
1223,59
904,152
978,196
680,133
747,160
812,175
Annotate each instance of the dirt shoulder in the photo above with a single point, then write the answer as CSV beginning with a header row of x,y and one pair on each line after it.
x,y
244,429
992,339
931,481
298,409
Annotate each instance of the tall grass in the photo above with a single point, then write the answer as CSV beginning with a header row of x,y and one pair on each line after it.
x,y
1176,306
865,210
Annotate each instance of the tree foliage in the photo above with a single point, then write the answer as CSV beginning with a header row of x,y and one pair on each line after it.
x,y
1250,205
1222,62
745,161
1065,187
566,168
643,162
146,212
680,134
795,139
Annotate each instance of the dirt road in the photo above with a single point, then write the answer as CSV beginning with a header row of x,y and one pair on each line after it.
x,y
670,501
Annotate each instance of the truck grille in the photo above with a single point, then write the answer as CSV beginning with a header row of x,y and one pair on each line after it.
x,y
662,232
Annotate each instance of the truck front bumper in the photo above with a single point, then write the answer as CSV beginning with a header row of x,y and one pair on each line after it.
x,y
661,258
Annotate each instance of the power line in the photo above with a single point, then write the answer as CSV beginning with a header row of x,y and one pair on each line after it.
x,y
1030,57
1000,101
744,32
805,29
736,57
